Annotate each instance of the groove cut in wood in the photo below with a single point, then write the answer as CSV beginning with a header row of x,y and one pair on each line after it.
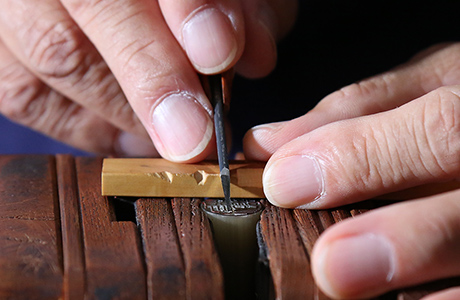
x,y
156,177
112,250
203,272
288,260
163,255
72,240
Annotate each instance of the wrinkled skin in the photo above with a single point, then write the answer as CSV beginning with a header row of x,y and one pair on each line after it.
x,y
393,131
111,77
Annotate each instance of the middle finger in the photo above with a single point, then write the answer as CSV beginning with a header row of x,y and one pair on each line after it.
x,y
47,41
157,78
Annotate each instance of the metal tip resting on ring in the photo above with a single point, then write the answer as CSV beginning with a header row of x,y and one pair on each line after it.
x,y
238,207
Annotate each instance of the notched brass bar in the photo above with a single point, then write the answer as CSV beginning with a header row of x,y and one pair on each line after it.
x,y
155,177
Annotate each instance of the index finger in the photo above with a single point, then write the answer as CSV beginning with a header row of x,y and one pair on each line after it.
x,y
357,159
153,72
211,32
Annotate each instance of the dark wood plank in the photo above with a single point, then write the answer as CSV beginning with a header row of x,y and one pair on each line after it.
x,y
72,243
326,218
264,281
358,211
309,227
359,208
30,261
340,214
288,261
24,178
113,252
165,267
204,277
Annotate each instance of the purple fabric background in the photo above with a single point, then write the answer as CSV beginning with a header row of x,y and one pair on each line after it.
x,y
16,139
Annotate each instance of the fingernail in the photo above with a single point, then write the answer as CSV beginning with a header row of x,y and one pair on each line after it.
x,y
183,127
269,127
133,146
263,133
353,266
293,181
210,40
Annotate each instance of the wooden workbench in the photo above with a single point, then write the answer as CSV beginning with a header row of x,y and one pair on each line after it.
x,y
59,238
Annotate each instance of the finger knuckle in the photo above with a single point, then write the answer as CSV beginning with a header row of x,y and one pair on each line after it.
x,y
443,61
56,52
18,92
77,6
345,99
375,164
442,129
358,159
152,78
20,105
360,89
361,155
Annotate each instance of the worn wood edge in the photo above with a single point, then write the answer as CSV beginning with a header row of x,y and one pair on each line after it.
x,y
114,258
163,256
161,178
29,241
309,227
204,274
265,288
72,241
291,274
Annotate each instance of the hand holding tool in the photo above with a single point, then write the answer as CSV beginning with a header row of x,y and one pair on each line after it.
x,y
219,90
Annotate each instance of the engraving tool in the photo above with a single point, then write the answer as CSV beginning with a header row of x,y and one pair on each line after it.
x,y
218,85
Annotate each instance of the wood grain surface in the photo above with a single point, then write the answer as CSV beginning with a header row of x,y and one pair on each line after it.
x,y
72,241
113,252
284,259
163,256
61,239
202,268
30,247
288,261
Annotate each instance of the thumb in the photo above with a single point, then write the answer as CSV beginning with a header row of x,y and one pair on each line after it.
x,y
356,159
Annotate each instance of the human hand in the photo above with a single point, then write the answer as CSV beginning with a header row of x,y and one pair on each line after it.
x,y
112,76
393,131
